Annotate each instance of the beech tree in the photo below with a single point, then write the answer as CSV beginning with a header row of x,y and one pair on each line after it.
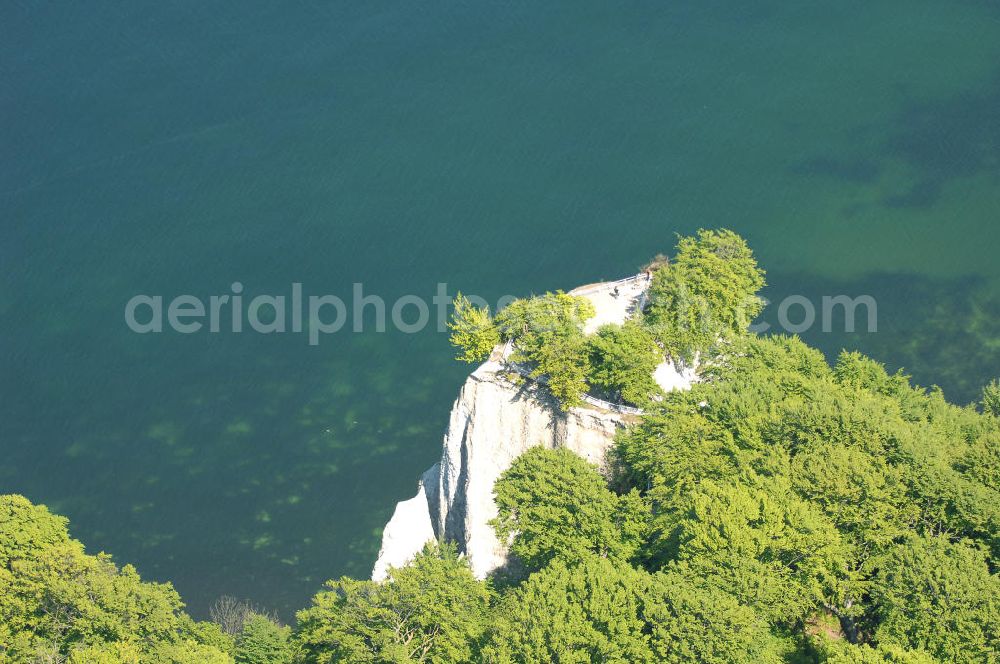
x,y
595,610
938,596
991,398
788,483
472,330
623,359
767,547
707,293
432,610
588,611
547,332
263,641
553,503
842,652
982,460
692,621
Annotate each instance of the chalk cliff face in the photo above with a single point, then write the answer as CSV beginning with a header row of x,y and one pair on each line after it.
x,y
492,422
496,417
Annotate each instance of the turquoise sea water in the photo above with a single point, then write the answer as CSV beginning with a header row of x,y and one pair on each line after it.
x,y
171,148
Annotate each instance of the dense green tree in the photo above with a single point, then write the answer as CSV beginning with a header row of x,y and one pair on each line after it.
x,y
770,549
553,503
58,602
991,398
211,634
948,500
530,321
680,320
863,373
938,596
864,496
597,610
981,461
26,530
668,455
707,293
472,330
588,611
547,333
862,377
843,652
120,652
186,652
263,641
560,361
622,360
432,610
696,622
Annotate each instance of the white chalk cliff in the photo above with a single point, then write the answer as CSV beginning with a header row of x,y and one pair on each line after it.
x,y
496,417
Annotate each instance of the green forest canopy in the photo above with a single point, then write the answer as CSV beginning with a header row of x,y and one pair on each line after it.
x,y
782,510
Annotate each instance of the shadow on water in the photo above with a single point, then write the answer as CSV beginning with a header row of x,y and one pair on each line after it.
x,y
937,141
945,139
943,332
855,171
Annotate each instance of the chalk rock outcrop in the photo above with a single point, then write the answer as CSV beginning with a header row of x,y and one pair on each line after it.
x,y
493,421
498,415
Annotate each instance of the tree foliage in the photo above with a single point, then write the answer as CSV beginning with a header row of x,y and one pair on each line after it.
x,y
547,332
589,611
58,602
691,621
795,487
622,360
432,610
842,652
707,293
263,641
472,330
553,503
991,398
938,596
597,610
532,321
767,547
